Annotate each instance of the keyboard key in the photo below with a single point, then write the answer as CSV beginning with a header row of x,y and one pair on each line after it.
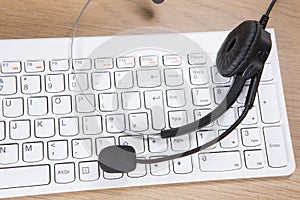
x,y
34,66
104,63
61,105
160,169
228,118
58,150
44,128
131,100
89,171
220,161
2,130
251,137
125,62
68,126
254,159
220,94
200,113
173,77
92,125
59,65
275,146
251,117
11,67
8,85
124,79
101,81
181,143
206,136
138,122
18,177
19,130
148,78
217,77
157,144
197,59
64,173
199,75
172,60
149,61
115,123
13,107
55,83
154,102
108,102
140,171
33,152
177,118
82,64
268,100
137,142
267,74
112,176
176,98
9,154
201,97
78,82
82,148
85,103
37,106
103,142
229,141
183,165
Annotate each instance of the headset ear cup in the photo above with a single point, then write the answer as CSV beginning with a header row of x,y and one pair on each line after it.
x,y
233,56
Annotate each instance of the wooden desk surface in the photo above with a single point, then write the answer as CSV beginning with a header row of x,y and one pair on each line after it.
x,y
55,18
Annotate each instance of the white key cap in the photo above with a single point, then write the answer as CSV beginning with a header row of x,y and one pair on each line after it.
x,y
59,65
44,128
78,82
37,106
157,144
217,77
68,126
124,79
275,146
58,150
154,102
11,67
199,75
139,171
104,63
221,161
112,176
13,107
251,137
206,136
137,142
176,98
251,117
9,153
61,105
220,94
177,118
149,61
201,96
33,152
125,62
2,130
115,123
160,169
64,173
229,141
172,60
92,125
228,118
82,64
131,100
55,83
181,143
31,84
138,122
268,99
267,74
89,171
18,177
197,59
254,159
183,165
82,148
85,103
8,85
200,113
19,130
103,142
148,78
173,77
34,66
108,102
101,81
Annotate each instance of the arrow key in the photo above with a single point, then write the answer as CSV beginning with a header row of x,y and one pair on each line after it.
x,y
183,165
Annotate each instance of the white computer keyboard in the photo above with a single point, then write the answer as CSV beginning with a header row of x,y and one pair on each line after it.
x,y
54,120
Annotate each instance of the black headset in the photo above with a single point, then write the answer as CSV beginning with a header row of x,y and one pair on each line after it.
x,y
242,56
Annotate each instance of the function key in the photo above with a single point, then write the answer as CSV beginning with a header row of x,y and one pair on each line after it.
x,y
172,60
34,66
197,59
11,67
59,65
82,64
126,62
149,61
104,63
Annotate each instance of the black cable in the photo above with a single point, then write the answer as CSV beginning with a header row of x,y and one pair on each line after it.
x,y
270,8
265,18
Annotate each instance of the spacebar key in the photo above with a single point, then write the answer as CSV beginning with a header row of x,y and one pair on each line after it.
x,y
24,176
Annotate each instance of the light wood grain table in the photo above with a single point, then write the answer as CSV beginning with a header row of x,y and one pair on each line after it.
x,y
55,18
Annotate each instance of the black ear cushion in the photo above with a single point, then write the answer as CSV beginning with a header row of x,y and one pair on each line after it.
x,y
233,55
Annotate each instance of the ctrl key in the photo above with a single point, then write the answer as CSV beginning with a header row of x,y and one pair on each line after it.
x,y
64,173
